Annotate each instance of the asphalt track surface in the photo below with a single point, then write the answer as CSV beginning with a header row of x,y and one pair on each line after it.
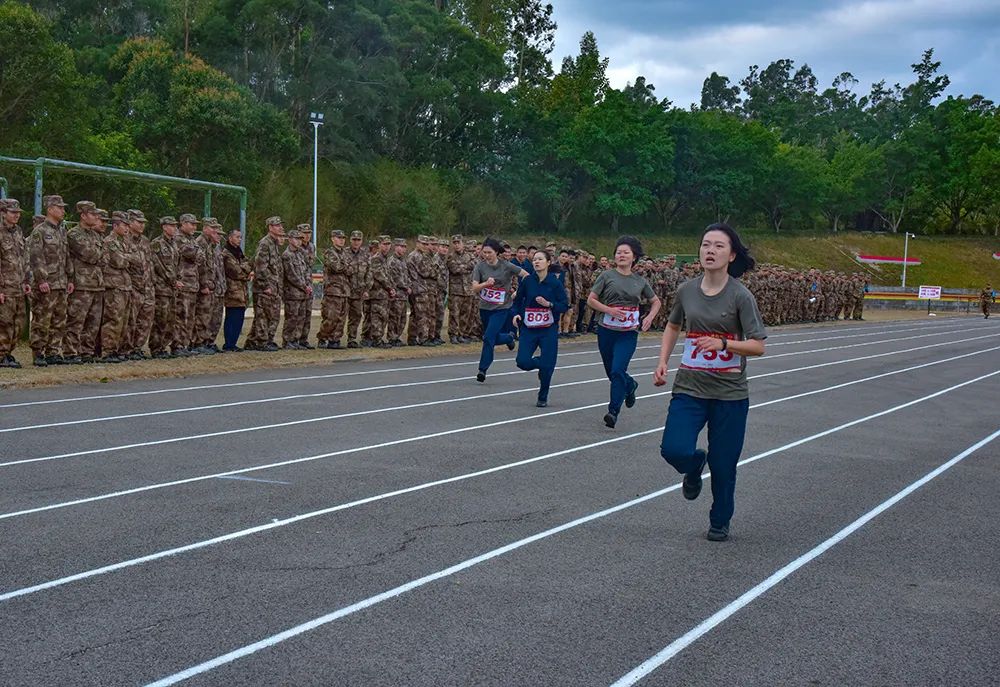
x,y
397,523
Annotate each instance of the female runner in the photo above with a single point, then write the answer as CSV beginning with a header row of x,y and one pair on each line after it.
x,y
616,294
723,328
491,281
540,300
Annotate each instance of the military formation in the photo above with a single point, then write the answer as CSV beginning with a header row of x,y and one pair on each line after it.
x,y
101,291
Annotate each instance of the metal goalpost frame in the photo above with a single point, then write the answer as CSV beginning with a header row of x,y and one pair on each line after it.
x,y
39,165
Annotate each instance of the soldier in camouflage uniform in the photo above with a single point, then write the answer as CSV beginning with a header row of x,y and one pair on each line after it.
x,y
461,303
986,300
399,277
204,336
143,300
118,260
423,286
186,298
310,249
366,319
382,290
336,290
267,285
84,309
358,258
48,259
166,284
14,281
440,253
297,290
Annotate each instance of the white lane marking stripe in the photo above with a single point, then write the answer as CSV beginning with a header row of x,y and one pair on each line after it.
x,y
253,479
421,487
466,564
340,392
424,404
98,397
723,614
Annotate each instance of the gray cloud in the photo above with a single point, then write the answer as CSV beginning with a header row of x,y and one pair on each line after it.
x,y
675,44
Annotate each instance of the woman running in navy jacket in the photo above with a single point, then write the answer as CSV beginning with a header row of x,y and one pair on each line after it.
x,y
540,300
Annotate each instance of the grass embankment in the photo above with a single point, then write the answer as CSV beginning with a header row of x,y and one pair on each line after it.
x,y
958,263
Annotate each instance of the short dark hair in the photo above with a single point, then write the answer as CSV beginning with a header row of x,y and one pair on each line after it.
x,y
743,262
633,243
490,242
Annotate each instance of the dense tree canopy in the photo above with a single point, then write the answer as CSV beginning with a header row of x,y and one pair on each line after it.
x,y
448,114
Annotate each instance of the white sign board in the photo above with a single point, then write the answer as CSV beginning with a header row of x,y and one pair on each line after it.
x,y
931,293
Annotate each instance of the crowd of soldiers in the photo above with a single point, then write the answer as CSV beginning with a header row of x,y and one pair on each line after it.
x,y
105,296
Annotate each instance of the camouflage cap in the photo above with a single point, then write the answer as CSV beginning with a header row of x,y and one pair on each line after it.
x,y
337,234
188,217
103,214
457,238
273,221
36,220
423,238
384,239
373,242
168,220
304,228
210,222
294,234
83,206
442,242
119,216
11,205
357,235
137,215
399,242
49,201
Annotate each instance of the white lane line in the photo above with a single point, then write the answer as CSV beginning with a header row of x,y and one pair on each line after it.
x,y
253,479
424,404
239,534
724,613
292,632
325,394
872,329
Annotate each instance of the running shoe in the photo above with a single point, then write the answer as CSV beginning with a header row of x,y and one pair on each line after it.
x,y
718,533
630,396
481,376
611,419
691,486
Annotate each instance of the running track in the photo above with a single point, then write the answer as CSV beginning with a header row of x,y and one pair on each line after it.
x,y
396,523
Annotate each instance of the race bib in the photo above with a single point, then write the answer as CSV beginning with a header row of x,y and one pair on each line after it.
x,y
494,296
630,321
710,361
535,318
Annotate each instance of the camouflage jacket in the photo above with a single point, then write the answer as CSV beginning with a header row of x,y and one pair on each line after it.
x,y
360,271
48,256
381,280
86,252
268,272
141,270
187,262
399,275
336,273
13,258
118,259
164,258
298,276
460,267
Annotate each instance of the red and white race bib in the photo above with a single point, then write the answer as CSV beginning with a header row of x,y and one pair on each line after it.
x,y
710,361
630,321
536,318
494,296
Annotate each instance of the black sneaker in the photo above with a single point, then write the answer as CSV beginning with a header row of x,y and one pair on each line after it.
x,y
353,344
305,346
691,486
73,360
9,361
630,396
40,361
718,533
511,345
270,347
541,403
611,419
333,346
480,376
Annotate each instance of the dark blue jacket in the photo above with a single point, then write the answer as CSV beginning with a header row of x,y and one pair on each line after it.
x,y
551,290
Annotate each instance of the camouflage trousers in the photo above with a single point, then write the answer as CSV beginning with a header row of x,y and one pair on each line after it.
x,y
423,317
115,316
83,322
333,314
307,325
48,322
366,326
378,314
140,318
185,303
266,313
204,313
396,319
859,308
460,314
296,316
441,307
11,316
162,333
567,321
355,313
215,324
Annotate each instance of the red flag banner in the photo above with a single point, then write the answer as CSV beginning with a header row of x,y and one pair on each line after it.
x,y
888,259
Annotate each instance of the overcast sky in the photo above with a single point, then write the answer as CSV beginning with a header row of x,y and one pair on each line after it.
x,y
675,44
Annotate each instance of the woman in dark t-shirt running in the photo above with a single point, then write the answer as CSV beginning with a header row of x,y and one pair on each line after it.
x,y
616,294
491,282
724,327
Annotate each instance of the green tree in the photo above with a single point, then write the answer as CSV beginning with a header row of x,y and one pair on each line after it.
x,y
851,179
793,184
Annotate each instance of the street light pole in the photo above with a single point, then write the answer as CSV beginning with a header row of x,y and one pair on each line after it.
x,y
906,252
316,119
